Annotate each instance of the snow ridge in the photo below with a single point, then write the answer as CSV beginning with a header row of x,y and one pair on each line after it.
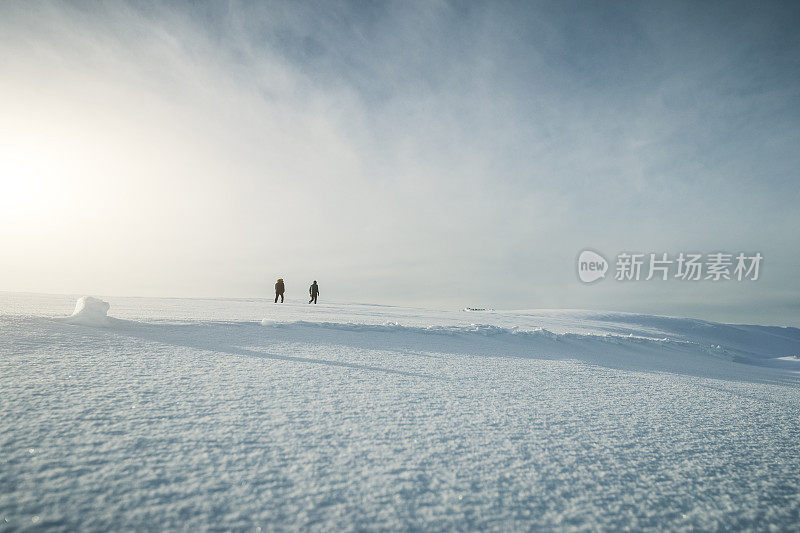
x,y
489,330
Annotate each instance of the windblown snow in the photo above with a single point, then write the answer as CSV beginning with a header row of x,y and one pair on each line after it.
x,y
240,414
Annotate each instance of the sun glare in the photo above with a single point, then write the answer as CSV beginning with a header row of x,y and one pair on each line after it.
x,y
29,185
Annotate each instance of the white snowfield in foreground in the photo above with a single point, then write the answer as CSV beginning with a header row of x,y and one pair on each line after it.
x,y
239,414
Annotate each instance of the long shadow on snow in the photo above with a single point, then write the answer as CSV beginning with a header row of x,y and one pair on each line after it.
x,y
620,353
616,352
209,337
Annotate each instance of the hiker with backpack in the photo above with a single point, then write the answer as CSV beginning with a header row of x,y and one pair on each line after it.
x,y
314,292
279,290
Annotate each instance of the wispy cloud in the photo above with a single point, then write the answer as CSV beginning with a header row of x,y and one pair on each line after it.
x,y
429,153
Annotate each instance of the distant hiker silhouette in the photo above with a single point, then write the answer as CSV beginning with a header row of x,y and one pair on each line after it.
x,y
279,290
313,290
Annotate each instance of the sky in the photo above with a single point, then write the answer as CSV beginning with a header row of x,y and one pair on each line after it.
x,y
432,154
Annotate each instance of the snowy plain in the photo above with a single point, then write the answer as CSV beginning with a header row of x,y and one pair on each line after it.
x,y
247,415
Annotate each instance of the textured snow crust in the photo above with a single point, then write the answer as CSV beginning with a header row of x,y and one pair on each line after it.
x,y
192,414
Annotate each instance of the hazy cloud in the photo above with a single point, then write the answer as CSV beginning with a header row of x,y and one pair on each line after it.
x,y
427,153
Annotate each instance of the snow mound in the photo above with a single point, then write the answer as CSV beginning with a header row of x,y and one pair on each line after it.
x,y
90,311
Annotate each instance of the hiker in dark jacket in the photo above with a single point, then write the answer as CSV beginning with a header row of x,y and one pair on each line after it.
x,y
313,290
279,290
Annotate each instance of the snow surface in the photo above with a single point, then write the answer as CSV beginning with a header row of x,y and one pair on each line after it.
x,y
238,414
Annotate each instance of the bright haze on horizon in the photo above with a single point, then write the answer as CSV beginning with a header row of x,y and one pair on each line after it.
x,y
430,154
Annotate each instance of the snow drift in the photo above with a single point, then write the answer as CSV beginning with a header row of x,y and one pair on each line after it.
x,y
600,334
90,311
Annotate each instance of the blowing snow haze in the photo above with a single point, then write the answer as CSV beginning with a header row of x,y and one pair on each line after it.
x,y
431,154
